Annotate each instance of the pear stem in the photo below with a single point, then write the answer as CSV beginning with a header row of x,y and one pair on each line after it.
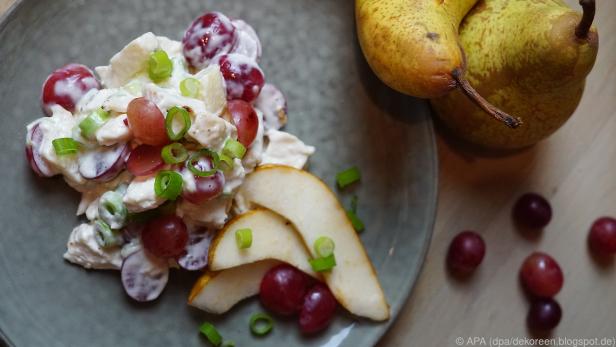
x,y
588,15
475,97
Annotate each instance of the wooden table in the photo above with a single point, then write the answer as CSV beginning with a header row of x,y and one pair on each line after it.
x,y
576,170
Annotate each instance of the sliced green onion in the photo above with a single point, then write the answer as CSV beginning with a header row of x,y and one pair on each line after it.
x,y
354,201
228,343
160,66
65,145
168,184
323,263
234,149
243,238
225,161
190,164
357,223
324,246
112,210
190,87
347,177
174,153
172,114
105,237
261,324
211,333
92,122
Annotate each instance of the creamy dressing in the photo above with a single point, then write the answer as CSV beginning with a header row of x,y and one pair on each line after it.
x,y
83,250
285,149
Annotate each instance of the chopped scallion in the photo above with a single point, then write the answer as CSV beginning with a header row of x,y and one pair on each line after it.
x,y
92,122
160,66
348,177
357,223
228,343
323,263
324,246
234,149
112,210
105,237
168,184
170,120
243,238
65,145
190,87
225,161
194,159
211,333
261,324
174,153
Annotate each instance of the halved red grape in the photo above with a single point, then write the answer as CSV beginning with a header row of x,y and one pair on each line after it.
x,y
273,104
199,190
602,236
34,138
147,122
541,275
533,211
145,160
144,277
243,77
317,310
195,257
245,119
283,289
466,252
104,163
544,315
66,86
207,36
165,236
247,42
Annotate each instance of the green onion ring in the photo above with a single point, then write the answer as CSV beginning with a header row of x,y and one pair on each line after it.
x,y
211,333
174,153
225,161
323,264
168,184
190,164
65,145
171,114
234,149
324,246
160,66
190,87
243,238
261,324
348,177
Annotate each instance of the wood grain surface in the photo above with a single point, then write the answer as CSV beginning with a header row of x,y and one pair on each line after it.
x,y
576,170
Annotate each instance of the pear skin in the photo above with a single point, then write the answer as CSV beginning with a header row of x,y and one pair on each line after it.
x,y
525,58
412,45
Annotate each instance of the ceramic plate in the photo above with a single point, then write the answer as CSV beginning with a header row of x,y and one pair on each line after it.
x,y
335,103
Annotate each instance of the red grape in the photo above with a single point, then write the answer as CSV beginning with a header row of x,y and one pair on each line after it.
x,y
243,77
541,275
317,310
66,86
207,36
533,211
466,252
33,145
104,163
147,122
199,190
602,236
245,118
145,160
283,289
144,277
165,236
544,315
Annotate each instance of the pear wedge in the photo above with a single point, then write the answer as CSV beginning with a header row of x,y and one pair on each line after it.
x,y
314,210
218,291
273,237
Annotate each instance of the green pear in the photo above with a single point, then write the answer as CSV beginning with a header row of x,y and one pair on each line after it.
x,y
412,46
528,58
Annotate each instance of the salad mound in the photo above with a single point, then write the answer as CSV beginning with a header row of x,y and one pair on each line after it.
x,y
160,143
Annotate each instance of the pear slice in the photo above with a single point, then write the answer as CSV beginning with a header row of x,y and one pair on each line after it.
x,y
218,291
314,210
273,237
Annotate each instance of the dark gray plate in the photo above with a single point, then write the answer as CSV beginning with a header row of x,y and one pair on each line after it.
x,y
335,103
